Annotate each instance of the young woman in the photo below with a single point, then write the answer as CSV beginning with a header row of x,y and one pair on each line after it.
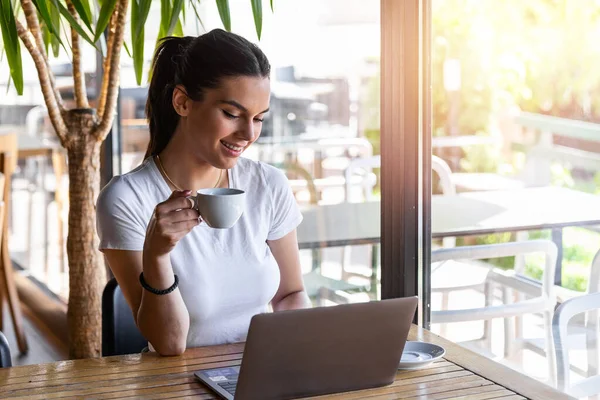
x,y
187,284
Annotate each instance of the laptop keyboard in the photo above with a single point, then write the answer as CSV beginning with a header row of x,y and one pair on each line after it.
x,y
229,387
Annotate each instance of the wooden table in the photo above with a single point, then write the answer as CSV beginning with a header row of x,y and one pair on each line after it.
x,y
148,376
464,214
31,146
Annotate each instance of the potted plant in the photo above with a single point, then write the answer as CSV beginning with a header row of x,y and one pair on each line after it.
x,y
82,129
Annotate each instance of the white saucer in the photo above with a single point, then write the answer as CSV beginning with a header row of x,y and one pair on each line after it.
x,y
420,354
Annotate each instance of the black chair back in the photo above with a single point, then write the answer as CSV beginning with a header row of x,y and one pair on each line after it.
x,y
120,334
4,352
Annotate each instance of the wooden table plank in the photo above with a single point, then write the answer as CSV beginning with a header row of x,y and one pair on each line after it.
x,y
449,378
491,392
113,389
157,390
401,389
105,383
489,369
196,393
127,363
144,364
454,394
513,397
124,380
463,374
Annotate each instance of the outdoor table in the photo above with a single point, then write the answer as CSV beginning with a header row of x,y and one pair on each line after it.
x,y
464,214
149,376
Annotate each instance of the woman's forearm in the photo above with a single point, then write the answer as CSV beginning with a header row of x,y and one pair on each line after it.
x,y
163,319
293,301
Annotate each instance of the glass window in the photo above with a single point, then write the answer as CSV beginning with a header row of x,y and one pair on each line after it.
x,y
39,195
322,130
516,155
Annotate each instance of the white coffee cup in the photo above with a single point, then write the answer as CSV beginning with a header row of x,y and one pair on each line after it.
x,y
220,207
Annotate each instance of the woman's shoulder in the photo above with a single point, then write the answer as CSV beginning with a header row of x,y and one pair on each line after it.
x,y
129,186
268,174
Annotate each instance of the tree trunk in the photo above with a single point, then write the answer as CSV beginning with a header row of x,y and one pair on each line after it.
x,y
86,272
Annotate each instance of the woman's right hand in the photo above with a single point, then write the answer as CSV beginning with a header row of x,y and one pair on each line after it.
x,y
172,219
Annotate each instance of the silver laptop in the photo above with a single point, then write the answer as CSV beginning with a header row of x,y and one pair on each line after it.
x,y
299,353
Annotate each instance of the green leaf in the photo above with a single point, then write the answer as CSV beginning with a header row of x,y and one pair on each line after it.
x,y
12,44
74,24
272,10
8,85
257,11
50,20
138,57
169,20
143,9
139,14
183,11
84,12
46,35
127,49
17,8
56,44
197,14
223,6
44,15
108,7
175,11
178,31
165,15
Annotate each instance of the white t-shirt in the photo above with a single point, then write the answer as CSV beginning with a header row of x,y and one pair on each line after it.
x,y
225,275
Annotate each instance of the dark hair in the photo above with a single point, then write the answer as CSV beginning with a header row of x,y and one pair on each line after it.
x,y
196,63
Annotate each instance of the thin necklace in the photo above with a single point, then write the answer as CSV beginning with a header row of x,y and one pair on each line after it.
x,y
162,169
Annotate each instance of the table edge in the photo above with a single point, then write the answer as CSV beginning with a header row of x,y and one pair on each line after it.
x,y
489,369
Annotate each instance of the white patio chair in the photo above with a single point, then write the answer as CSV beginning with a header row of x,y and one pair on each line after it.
x,y
365,165
475,274
542,300
584,331
325,156
563,294
360,173
583,328
444,173
590,303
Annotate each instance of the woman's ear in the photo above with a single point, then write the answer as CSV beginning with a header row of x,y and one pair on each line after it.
x,y
181,101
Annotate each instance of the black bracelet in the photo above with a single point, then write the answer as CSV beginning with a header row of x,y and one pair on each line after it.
x,y
156,291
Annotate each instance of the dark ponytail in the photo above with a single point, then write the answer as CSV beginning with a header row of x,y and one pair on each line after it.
x,y
162,117
196,63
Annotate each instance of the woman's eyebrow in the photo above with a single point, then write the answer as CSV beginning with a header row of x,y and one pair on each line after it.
x,y
239,106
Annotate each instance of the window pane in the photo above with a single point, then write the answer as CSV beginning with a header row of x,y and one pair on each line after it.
x,y
324,119
39,196
516,155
